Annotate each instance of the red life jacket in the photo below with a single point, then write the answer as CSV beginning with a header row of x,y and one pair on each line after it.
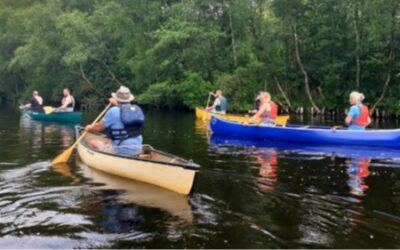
x,y
274,110
364,115
271,114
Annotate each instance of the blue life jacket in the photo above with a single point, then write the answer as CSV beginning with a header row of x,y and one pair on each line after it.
x,y
132,118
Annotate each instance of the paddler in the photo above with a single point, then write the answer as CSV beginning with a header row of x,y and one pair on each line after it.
x,y
36,103
358,116
123,125
67,102
267,110
220,103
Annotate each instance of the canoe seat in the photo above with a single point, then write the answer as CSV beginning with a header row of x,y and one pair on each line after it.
x,y
281,120
146,152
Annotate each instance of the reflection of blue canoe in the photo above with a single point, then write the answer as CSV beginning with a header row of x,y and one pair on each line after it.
x,y
329,150
315,135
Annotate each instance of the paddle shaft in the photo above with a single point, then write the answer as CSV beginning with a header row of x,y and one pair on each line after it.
x,y
208,102
64,156
96,120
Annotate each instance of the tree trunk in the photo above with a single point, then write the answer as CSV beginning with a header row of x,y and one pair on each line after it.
x,y
321,93
356,20
84,77
306,84
233,43
283,93
391,57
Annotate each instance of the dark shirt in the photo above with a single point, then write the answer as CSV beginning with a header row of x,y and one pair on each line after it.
x,y
35,106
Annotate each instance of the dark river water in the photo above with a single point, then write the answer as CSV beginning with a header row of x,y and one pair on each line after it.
x,y
247,195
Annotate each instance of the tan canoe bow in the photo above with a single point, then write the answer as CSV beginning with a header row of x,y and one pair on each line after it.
x,y
155,167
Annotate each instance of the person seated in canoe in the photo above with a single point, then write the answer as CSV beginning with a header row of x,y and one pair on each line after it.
x,y
36,103
358,116
267,111
67,102
220,103
123,125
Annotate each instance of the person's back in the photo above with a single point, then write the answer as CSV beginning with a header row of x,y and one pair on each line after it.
x,y
359,113
36,103
122,123
222,105
126,140
358,116
67,102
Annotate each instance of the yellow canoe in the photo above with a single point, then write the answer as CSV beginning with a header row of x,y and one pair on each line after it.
x,y
155,167
206,115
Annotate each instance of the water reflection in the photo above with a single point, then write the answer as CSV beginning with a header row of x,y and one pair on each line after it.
x,y
139,193
268,170
358,171
40,135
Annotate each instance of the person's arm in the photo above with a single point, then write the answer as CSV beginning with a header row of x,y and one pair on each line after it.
x,y
25,106
97,127
215,104
106,122
253,111
369,120
350,116
67,102
264,108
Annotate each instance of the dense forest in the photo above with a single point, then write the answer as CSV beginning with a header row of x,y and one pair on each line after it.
x,y
171,53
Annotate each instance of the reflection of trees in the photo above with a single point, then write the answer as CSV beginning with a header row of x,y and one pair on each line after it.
x,y
40,135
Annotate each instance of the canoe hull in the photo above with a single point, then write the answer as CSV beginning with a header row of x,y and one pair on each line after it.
x,y
202,114
169,176
205,115
65,117
307,135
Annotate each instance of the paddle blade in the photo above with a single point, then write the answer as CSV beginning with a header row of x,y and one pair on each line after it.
x,y
64,156
48,109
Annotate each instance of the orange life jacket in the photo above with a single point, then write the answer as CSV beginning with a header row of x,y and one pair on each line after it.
x,y
271,114
364,115
274,110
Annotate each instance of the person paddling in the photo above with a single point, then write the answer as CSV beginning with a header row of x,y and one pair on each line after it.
x,y
220,103
267,111
36,103
67,102
358,116
123,125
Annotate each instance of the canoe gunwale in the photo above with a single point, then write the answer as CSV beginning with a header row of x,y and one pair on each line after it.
x,y
189,166
61,117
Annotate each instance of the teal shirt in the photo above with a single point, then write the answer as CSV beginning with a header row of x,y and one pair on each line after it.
x,y
223,103
355,113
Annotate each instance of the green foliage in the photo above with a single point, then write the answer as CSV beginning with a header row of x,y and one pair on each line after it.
x,y
193,91
172,53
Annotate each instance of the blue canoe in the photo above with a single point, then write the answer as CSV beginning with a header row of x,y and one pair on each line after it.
x,y
343,151
318,135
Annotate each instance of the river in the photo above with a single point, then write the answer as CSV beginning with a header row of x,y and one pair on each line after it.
x,y
245,196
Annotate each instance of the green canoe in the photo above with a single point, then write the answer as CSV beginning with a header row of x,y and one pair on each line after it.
x,y
62,117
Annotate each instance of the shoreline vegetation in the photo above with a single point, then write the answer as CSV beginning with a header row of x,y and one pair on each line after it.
x,y
309,54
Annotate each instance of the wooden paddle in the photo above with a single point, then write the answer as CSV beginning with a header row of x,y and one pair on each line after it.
x,y
64,156
49,109
208,102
